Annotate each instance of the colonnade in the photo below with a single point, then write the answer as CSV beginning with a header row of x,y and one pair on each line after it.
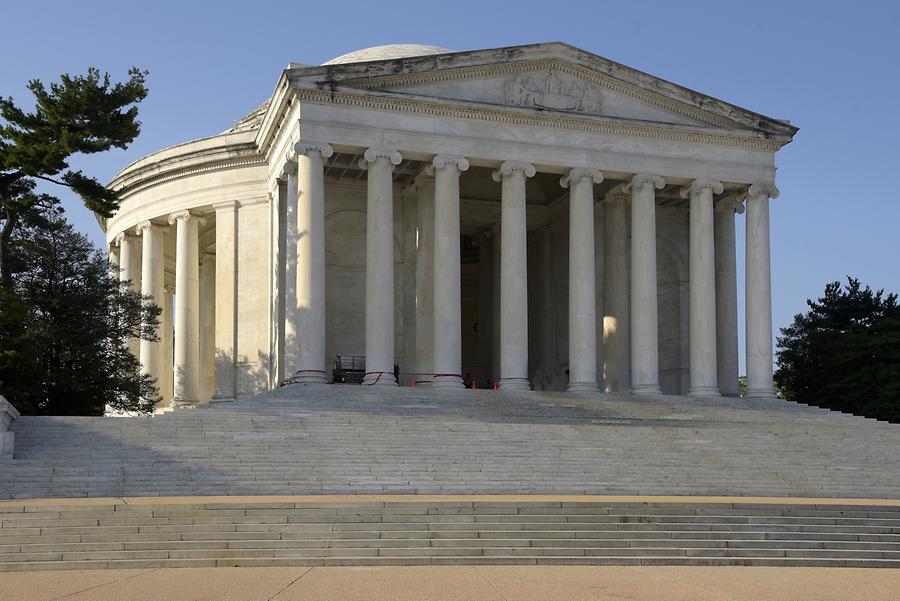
x,y
140,257
630,323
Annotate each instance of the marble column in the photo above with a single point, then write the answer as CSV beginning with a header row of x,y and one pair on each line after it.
x,y
513,276
496,248
447,272
187,316
644,326
702,288
278,229
599,282
758,306
616,326
310,288
167,341
207,326
129,260
424,365
582,283
112,252
726,295
380,266
547,349
129,270
291,319
485,306
226,300
152,285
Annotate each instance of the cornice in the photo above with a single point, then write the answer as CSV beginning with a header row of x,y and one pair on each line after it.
x,y
529,66
153,179
436,109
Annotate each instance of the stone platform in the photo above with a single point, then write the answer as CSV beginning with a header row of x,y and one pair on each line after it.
x,y
406,477
303,440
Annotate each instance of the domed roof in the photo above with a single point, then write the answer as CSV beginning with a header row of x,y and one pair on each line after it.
x,y
387,52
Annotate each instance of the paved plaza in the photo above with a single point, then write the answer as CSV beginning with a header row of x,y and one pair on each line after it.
x,y
459,583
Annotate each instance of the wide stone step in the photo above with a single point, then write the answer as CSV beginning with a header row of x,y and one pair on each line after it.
x,y
422,531
349,440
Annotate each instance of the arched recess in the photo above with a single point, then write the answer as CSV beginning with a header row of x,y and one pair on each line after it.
x,y
672,298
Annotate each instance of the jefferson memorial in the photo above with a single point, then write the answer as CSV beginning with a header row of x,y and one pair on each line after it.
x,y
527,217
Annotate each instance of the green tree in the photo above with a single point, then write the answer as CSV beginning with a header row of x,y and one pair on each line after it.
x,y
64,326
81,114
844,353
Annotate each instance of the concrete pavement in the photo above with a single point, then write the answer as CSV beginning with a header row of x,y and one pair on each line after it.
x,y
456,583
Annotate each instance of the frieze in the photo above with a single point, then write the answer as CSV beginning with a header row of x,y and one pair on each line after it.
x,y
561,121
551,91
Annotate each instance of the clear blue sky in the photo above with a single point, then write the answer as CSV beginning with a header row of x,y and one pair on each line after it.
x,y
832,68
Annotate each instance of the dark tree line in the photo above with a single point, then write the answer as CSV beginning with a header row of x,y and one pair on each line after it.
x,y
64,316
64,327
844,353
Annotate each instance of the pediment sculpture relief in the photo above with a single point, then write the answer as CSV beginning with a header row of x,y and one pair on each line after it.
x,y
554,92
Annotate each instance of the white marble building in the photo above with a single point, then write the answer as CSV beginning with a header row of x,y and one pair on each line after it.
x,y
534,215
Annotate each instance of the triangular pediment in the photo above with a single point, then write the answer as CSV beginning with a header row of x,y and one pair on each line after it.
x,y
543,79
543,87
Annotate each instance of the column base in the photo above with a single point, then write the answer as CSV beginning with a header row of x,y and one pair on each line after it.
x,y
310,376
514,384
761,394
186,403
380,380
709,391
447,381
646,389
583,387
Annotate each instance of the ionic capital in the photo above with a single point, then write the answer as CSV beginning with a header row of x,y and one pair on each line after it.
x,y
179,216
373,154
120,238
442,160
702,184
425,177
732,202
307,146
509,167
619,193
143,226
289,167
594,175
763,189
646,179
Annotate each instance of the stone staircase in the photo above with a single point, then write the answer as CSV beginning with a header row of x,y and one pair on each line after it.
x,y
302,440
406,444
311,531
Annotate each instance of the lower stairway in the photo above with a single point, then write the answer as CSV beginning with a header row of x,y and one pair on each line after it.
x,y
458,530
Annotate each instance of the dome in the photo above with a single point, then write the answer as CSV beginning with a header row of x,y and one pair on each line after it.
x,y
387,52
